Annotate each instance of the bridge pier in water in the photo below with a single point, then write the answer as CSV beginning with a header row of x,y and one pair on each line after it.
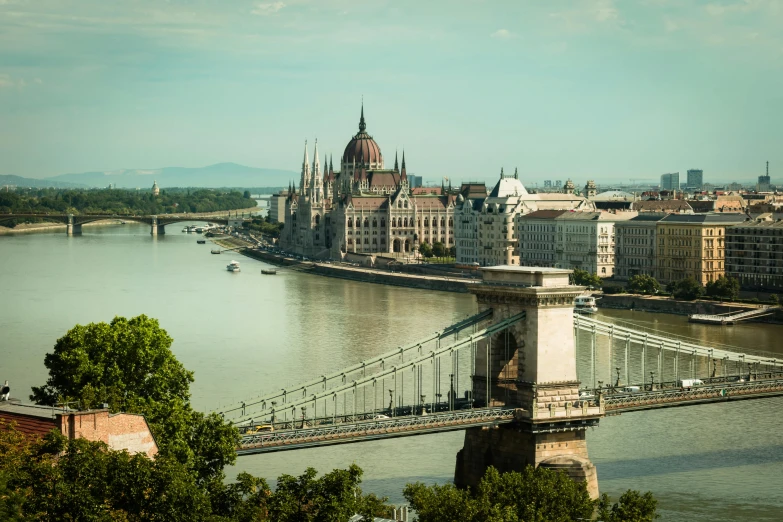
x,y
530,366
72,228
157,229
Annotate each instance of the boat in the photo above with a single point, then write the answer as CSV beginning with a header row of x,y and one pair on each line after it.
x,y
201,241
215,251
233,266
269,271
585,305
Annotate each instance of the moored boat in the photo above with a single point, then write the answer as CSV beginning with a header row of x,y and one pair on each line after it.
x,y
233,266
215,251
585,305
201,241
269,271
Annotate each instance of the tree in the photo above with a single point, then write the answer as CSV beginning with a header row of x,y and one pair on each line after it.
x,y
643,284
531,495
632,507
128,365
724,287
246,194
687,289
453,251
773,298
439,249
425,250
584,278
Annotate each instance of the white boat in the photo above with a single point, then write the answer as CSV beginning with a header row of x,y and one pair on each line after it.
x,y
585,305
233,266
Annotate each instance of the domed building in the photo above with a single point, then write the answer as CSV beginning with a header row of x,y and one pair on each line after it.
x,y
363,208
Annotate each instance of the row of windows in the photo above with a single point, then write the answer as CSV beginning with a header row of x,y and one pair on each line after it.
x,y
401,222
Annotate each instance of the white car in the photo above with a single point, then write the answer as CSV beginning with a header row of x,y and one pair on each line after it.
x,y
381,417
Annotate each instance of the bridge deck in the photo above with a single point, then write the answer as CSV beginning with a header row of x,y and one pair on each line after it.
x,y
348,431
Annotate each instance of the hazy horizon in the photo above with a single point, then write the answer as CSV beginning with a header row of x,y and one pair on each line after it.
x,y
590,89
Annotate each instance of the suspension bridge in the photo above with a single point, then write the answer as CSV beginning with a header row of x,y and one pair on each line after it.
x,y
524,377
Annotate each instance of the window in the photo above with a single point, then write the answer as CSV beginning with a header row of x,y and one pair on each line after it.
x,y
350,222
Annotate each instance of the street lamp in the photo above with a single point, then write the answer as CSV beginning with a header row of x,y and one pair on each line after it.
x,y
451,393
617,382
652,381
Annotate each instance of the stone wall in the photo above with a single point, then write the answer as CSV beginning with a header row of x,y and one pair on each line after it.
x,y
121,431
673,306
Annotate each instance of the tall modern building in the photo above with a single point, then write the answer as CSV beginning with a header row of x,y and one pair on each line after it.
x,y
414,181
670,181
695,179
764,182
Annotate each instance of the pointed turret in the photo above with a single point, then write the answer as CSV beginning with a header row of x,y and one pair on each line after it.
x,y
403,172
396,165
331,167
362,124
305,181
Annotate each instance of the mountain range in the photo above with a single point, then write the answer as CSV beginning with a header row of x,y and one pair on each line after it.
x,y
218,175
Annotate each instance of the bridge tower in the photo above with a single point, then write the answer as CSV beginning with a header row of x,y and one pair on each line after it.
x,y
531,367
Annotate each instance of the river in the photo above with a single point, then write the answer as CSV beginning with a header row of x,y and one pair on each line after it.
x,y
243,334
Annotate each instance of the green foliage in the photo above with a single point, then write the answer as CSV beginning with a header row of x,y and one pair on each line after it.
x,y
643,284
612,288
453,251
584,278
426,250
123,202
687,289
632,507
128,364
261,225
724,287
439,249
535,494
773,298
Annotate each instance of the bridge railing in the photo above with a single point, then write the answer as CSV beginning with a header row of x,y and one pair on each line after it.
x,y
352,388
286,396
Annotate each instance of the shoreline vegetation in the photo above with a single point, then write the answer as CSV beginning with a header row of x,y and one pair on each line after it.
x,y
119,202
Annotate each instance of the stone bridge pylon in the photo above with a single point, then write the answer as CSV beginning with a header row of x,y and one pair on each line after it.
x,y
531,367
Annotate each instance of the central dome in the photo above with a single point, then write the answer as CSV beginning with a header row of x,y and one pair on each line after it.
x,y
362,148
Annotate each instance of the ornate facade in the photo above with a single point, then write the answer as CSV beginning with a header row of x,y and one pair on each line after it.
x,y
363,207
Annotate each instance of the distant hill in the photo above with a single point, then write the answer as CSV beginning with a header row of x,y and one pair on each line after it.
x,y
219,175
19,181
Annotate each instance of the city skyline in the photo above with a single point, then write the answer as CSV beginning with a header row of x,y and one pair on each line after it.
x,y
583,90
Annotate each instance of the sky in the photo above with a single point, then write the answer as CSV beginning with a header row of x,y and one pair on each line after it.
x,y
610,90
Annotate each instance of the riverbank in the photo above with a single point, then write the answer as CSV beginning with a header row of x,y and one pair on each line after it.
x,y
366,275
667,305
32,228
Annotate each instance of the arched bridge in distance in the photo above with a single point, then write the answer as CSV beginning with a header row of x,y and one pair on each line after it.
x,y
525,378
157,223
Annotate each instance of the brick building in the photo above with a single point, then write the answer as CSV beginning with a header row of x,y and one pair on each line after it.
x,y
120,431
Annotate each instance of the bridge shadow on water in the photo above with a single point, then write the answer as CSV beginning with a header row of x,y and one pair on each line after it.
x,y
706,461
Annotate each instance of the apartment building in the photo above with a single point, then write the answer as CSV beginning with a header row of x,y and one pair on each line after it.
x,y
635,245
485,226
754,254
276,212
568,239
692,246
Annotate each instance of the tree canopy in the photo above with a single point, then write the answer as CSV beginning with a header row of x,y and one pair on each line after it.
x,y
724,287
128,365
121,201
643,284
533,495
584,278
687,289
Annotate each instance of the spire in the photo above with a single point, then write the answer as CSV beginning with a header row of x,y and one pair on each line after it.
x,y
362,124
331,166
305,160
316,161
396,165
403,159
516,174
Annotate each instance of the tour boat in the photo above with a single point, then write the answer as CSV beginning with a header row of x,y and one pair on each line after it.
x,y
215,251
585,305
233,266
270,271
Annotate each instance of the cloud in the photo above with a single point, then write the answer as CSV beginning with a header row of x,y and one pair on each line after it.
x,y
502,34
7,82
589,14
268,8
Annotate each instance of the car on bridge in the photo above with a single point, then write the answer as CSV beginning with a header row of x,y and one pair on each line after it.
x,y
262,428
